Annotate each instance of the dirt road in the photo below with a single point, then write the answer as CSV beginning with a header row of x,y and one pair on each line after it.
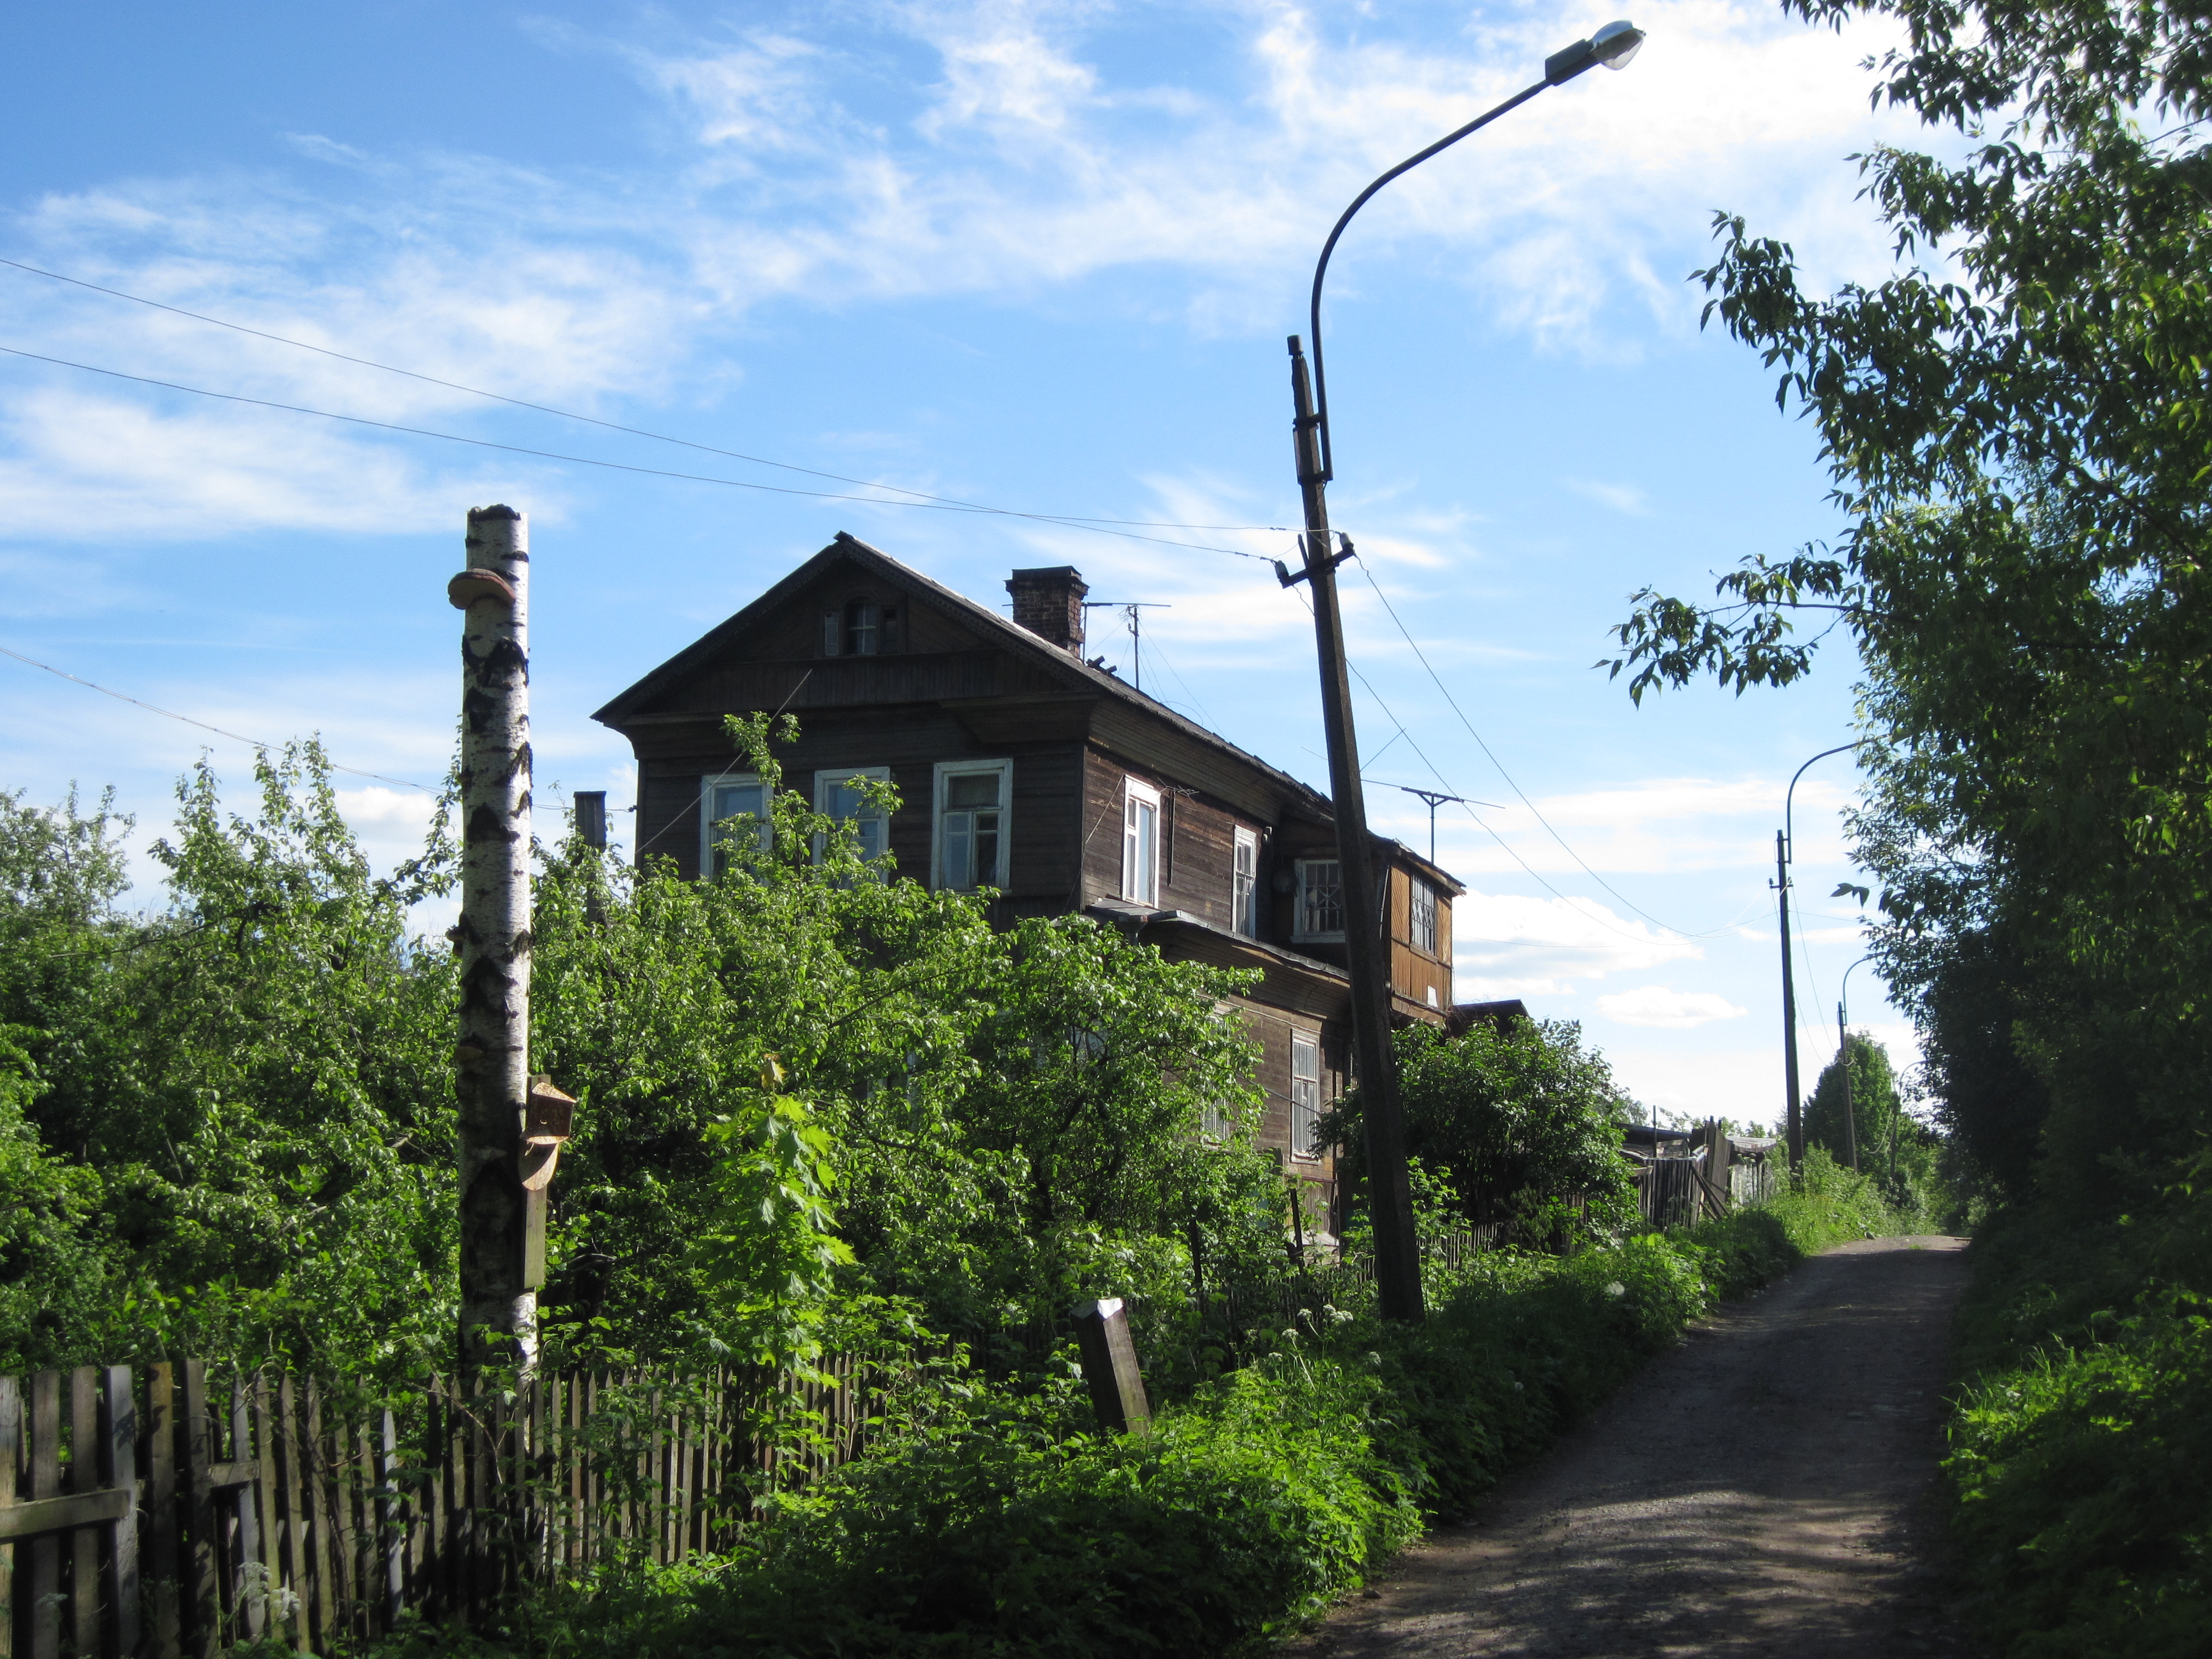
x,y
1762,1491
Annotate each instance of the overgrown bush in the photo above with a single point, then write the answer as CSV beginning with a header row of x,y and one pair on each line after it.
x,y
2082,1430
1003,1524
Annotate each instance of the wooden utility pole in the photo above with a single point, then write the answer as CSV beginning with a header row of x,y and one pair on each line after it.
x,y
499,1305
1390,1194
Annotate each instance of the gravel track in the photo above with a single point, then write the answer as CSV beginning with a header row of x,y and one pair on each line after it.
x,y
1763,1490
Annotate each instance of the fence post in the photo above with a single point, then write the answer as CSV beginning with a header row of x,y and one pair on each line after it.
x,y
11,1436
1110,1366
162,1583
119,1469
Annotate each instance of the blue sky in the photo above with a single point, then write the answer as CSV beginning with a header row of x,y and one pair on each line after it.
x,y
1038,257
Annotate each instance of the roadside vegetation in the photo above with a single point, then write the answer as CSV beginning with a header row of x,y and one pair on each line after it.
x,y
823,1110
2016,424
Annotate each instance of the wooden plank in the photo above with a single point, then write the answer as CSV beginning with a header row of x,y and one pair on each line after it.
x,y
357,1535
390,1579
251,1437
118,1470
84,1477
656,1478
11,1456
436,1501
48,1517
200,1609
46,1461
165,1631
318,1511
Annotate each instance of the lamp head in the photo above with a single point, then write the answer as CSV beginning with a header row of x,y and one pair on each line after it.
x,y
1613,45
1616,45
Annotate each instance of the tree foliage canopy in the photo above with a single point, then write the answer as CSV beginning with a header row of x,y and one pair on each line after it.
x,y
1515,1120
228,1128
2016,425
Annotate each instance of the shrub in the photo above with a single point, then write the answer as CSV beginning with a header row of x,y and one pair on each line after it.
x,y
2081,1434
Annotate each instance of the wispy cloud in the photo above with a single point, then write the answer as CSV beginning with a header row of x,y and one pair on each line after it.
x,y
1023,153
1665,1009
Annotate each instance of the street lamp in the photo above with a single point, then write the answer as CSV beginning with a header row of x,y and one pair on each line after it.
x,y
1397,1255
1844,1060
1784,848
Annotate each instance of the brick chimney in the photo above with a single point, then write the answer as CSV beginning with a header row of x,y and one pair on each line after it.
x,y
1048,602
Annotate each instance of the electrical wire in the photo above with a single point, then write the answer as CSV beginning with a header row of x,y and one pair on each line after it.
x,y
1437,772
613,467
1437,680
170,714
921,497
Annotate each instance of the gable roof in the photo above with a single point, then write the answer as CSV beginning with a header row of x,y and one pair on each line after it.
x,y
1063,665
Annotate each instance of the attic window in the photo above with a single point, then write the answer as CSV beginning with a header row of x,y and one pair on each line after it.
x,y
862,620
859,628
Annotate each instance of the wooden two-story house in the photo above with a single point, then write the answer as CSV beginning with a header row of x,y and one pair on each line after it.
x,y
1020,767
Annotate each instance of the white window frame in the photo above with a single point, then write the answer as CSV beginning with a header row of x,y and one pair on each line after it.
x,y
947,770
1136,795
707,786
1299,930
1305,1095
826,785
1419,890
1244,884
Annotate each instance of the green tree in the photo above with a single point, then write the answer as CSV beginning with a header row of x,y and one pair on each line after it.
x,y
1517,1122
2016,424
1872,1102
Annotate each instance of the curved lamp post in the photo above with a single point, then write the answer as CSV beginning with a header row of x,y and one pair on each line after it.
x,y
1843,1059
1397,1257
1784,847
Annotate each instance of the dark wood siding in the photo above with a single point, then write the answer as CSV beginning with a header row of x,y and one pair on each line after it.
x,y
1273,1028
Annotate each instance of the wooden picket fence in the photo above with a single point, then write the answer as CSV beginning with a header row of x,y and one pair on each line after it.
x,y
142,1513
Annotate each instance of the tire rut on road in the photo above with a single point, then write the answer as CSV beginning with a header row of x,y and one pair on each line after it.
x,y
1764,1490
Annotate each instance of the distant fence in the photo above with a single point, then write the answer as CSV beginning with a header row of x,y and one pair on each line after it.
x,y
139,1516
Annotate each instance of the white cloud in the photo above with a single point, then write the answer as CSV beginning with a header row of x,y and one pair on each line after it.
x,y
1621,498
1668,1010
1025,155
1507,946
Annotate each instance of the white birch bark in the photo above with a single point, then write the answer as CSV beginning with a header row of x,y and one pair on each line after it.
x,y
499,1313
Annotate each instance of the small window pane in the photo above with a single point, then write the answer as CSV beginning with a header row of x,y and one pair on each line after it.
x,y
972,789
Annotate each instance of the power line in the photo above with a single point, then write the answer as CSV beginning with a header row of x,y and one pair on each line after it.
x,y
171,713
921,497
1437,773
1508,777
613,467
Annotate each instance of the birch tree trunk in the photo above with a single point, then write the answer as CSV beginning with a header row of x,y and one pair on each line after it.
x,y
499,1311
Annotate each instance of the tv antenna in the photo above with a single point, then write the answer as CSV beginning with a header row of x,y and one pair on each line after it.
x,y
1437,798
1131,612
